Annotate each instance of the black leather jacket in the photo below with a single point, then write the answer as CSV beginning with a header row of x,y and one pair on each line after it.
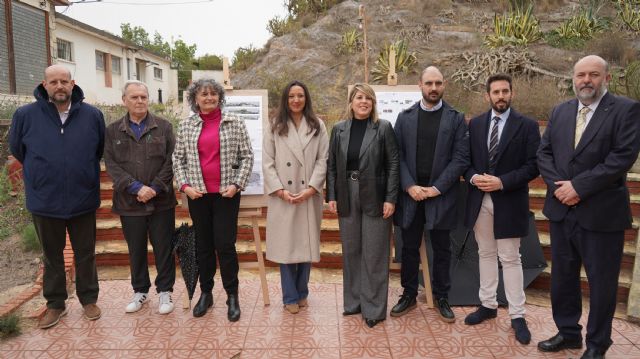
x,y
379,167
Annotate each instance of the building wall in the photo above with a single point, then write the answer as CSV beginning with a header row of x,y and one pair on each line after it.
x,y
4,54
93,81
30,46
29,31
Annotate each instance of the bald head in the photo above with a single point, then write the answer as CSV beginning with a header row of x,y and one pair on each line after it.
x,y
432,86
590,78
431,70
57,70
592,60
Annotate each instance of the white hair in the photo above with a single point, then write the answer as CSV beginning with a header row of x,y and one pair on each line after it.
x,y
134,82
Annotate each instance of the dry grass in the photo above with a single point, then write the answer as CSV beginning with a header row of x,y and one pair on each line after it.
x,y
613,47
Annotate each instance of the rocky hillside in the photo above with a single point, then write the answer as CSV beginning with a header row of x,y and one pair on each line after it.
x,y
449,34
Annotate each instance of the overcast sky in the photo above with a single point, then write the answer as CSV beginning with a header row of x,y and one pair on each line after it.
x,y
216,27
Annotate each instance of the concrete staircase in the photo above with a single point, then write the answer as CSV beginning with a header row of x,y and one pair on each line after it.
x,y
111,248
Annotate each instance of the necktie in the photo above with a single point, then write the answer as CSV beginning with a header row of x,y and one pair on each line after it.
x,y
493,143
581,123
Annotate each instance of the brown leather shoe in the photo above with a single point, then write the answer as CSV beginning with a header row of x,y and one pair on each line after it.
x,y
51,317
292,308
92,311
303,303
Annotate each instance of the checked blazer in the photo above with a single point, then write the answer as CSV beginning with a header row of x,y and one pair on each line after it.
x,y
236,155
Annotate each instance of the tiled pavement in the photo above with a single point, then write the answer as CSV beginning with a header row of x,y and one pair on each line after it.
x,y
319,331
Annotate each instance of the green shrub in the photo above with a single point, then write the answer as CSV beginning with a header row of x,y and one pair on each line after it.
x,y
29,238
7,108
9,325
517,27
404,60
627,81
281,26
244,57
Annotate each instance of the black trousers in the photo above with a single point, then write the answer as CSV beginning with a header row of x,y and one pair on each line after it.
x,y
601,254
441,244
158,227
82,234
215,219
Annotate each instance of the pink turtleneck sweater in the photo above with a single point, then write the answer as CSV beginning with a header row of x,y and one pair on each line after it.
x,y
209,150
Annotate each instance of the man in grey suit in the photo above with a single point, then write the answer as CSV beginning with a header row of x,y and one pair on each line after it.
x,y
587,148
434,152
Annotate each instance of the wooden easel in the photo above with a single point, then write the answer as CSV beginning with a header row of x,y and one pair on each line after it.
x,y
392,80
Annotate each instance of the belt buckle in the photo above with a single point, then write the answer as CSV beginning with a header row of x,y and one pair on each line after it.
x,y
354,175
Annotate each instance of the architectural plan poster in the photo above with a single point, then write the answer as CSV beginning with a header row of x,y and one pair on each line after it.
x,y
390,104
249,108
391,100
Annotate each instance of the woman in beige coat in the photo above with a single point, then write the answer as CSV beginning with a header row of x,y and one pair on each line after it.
x,y
294,162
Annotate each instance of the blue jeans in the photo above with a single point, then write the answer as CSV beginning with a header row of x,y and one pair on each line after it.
x,y
295,279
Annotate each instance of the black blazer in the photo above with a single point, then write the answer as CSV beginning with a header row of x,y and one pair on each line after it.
x,y
515,166
597,167
378,181
449,163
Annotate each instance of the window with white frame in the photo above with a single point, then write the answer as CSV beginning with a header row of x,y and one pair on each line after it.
x,y
157,73
64,50
116,65
100,60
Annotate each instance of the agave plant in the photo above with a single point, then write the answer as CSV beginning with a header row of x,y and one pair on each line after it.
x,y
404,60
583,25
517,27
351,42
629,14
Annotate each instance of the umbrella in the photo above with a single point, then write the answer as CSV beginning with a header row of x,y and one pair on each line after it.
x,y
184,243
465,276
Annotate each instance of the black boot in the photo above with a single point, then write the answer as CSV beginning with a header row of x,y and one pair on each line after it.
x,y
204,303
233,314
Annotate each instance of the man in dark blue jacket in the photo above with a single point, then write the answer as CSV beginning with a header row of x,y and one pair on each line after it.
x,y
59,141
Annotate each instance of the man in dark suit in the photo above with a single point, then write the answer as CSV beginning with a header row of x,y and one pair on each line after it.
x,y
503,160
589,145
434,152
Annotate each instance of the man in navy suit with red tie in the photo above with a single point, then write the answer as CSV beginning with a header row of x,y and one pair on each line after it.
x,y
503,160
587,148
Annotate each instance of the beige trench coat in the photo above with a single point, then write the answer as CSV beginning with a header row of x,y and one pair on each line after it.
x,y
294,163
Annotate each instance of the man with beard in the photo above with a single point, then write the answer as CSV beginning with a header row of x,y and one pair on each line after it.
x,y
503,160
587,148
59,140
434,153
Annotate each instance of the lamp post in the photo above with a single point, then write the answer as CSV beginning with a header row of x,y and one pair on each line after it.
x,y
362,18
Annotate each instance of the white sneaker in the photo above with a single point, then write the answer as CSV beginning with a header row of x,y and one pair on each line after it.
x,y
165,303
136,302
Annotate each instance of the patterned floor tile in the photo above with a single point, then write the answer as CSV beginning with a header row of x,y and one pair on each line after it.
x,y
409,352
409,334
21,354
365,353
221,338
274,315
363,337
315,337
266,354
268,338
630,331
519,352
465,352
318,353
314,317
